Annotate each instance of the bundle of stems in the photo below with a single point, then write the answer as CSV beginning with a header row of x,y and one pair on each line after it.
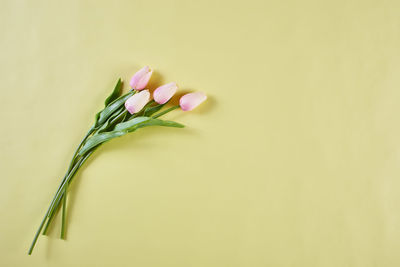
x,y
113,121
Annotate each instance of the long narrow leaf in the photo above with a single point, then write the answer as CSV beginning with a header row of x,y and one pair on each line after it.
x,y
124,128
106,125
127,125
103,115
120,130
140,122
115,93
99,139
158,122
151,110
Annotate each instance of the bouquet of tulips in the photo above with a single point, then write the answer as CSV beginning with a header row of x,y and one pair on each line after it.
x,y
122,114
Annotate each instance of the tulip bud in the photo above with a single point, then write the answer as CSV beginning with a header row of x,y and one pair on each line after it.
x,y
191,100
141,78
135,103
164,93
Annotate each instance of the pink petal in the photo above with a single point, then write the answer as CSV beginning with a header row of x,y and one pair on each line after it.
x,y
191,100
144,81
135,103
141,78
164,93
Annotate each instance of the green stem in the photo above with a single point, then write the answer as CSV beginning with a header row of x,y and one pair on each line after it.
x,y
165,111
71,164
69,180
37,233
72,169
57,199
91,130
66,188
50,209
60,193
151,102
50,216
64,216
55,203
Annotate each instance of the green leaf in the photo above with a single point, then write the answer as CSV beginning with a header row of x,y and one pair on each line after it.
x,y
124,128
140,122
151,110
129,125
96,119
107,125
99,139
158,122
115,93
121,117
103,115
121,129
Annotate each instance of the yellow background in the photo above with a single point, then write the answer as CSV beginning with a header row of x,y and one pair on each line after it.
x,y
293,160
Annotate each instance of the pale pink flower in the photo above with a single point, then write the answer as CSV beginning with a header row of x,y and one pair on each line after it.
x,y
141,78
191,100
135,103
164,93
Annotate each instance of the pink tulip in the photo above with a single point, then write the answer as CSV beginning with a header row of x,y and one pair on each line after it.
x,y
164,93
191,100
141,78
135,103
